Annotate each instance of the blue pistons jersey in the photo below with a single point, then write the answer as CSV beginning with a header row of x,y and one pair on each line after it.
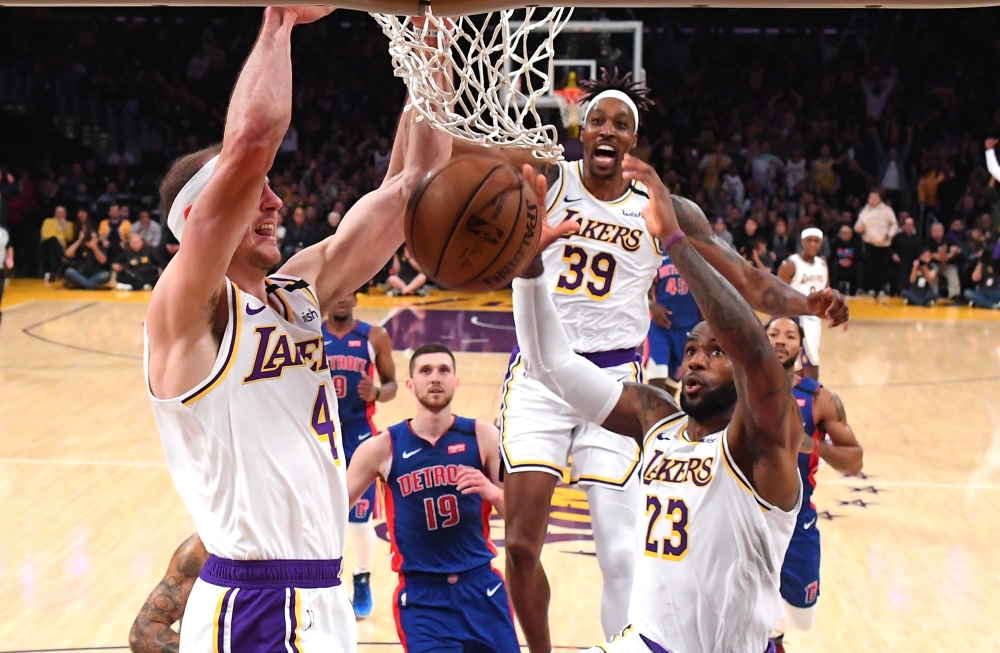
x,y
434,528
672,292
349,357
805,395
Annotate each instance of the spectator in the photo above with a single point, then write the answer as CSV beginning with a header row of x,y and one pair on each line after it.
x,y
892,169
720,230
114,231
329,226
57,234
167,249
922,290
136,266
906,246
847,269
947,257
406,277
877,226
823,175
764,167
742,238
795,170
298,235
732,183
88,259
150,231
854,181
927,187
781,245
759,256
712,165
986,277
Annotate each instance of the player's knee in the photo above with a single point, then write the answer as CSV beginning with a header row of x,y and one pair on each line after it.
x,y
523,549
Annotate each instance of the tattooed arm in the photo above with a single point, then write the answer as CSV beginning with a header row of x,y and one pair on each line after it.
x,y
766,429
764,291
151,631
843,452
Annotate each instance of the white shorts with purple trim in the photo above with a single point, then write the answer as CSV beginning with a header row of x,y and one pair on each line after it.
x,y
274,606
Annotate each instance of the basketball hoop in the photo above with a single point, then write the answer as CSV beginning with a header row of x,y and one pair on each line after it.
x,y
476,77
570,109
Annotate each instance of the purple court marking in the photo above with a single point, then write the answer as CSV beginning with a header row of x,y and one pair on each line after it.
x,y
474,331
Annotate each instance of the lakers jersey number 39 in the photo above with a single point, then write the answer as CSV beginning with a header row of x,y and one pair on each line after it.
x,y
601,274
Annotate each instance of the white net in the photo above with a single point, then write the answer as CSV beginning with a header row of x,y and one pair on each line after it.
x,y
478,77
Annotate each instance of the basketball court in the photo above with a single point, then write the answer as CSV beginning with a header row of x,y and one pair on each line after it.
x,y
92,517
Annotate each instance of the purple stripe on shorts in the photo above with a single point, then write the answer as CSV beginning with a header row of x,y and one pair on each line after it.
x,y
258,622
222,620
271,574
612,358
653,646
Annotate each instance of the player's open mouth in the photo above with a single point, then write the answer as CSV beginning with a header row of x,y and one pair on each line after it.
x,y
605,153
692,386
266,230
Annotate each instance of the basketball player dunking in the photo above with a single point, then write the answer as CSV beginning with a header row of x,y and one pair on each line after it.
x,y
442,480
357,350
239,381
598,278
807,273
720,479
822,415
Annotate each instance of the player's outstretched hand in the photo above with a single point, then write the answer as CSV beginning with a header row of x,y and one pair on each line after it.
x,y
473,481
549,233
661,219
829,304
307,14
366,388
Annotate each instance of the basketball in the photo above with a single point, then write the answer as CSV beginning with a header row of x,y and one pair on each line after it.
x,y
472,224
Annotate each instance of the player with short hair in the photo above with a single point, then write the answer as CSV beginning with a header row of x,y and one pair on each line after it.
x,y
599,277
674,313
807,273
442,478
237,375
720,479
357,350
827,436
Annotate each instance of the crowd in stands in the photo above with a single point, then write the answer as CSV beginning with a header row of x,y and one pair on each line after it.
x,y
873,130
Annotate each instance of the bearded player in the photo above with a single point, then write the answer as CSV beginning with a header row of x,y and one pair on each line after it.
x,y
238,378
720,479
598,279
827,436
442,478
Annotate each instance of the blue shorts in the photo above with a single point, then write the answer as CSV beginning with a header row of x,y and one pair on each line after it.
x,y
354,433
666,347
470,615
800,571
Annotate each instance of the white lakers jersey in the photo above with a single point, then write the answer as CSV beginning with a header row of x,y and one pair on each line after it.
x,y
601,276
809,277
255,449
708,566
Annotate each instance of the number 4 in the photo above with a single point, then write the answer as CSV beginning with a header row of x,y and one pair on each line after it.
x,y
322,423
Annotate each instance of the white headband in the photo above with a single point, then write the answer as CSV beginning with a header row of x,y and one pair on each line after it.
x,y
618,95
185,199
812,232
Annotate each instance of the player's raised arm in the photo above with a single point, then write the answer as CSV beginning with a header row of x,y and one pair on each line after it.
x,y
217,201
372,230
370,460
843,452
625,408
764,291
151,631
766,429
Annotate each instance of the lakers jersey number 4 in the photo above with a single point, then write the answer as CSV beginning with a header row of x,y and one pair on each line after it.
x,y
710,549
601,275
255,449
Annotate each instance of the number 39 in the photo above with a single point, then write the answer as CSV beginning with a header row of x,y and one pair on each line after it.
x,y
602,269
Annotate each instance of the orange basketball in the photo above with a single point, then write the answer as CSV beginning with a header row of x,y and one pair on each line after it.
x,y
473,224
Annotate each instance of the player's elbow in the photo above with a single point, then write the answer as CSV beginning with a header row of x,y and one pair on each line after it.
x,y
856,464
251,150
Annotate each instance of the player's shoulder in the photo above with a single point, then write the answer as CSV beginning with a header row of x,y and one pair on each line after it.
x,y
467,426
